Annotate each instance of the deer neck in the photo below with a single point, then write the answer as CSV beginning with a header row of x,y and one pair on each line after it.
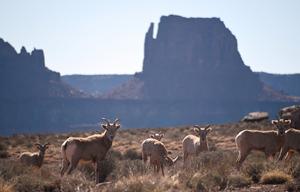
x,y
203,145
107,141
280,139
41,154
41,158
203,142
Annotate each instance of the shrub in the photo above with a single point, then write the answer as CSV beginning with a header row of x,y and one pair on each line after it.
x,y
238,181
106,168
275,177
26,183
133,184
115,154
132,155
196,183
294,169
29,145
3,150
3,146
128,168
75,183
88,170
6,186
18,140
215,179
254,171
290,187
211,181
4,154
24,178
142,183
10,169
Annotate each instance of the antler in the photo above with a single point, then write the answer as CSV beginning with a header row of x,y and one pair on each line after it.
x,y
197,126
107,121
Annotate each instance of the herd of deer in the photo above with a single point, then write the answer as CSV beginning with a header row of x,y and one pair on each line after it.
x,y
93,148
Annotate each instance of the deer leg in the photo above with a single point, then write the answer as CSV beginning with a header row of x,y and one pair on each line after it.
x,y
144,157
241,158
289,155
283,152
72,166
162,169
97,175
157,168
185,156
65,165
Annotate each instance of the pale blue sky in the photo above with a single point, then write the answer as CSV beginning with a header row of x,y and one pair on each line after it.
x,y
99,37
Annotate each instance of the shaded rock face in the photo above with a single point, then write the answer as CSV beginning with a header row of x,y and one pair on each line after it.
x,y
132,89
196,58
284,83
96,85
24,75
292,113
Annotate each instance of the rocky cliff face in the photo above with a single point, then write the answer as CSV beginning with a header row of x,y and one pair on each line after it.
x,y
24,75
284,83
195,59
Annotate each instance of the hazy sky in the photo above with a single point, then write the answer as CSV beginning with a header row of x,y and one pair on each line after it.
x,y
99,37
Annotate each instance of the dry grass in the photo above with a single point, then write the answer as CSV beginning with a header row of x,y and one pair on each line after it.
x,y
238,181
276,177
123,170
6,186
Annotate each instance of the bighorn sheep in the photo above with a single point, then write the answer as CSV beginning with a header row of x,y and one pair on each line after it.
x,y
193,145
158,154
291,143
147,145
269,142
34,159
92,148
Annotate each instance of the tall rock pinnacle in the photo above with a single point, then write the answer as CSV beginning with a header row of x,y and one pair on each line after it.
x,y
194,59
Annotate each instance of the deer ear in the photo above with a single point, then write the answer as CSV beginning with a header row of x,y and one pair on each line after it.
x,y
288,121
118,126
104,126
209,129
151,136
197,130
274,122
37,145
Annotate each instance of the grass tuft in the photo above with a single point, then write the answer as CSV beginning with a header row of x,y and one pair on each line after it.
x,y
132,155
254,171
6,186
275,177
238,181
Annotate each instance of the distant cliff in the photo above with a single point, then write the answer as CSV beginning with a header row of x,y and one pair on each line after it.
x,y
287,84
24,75
196,59
96,85
190,59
